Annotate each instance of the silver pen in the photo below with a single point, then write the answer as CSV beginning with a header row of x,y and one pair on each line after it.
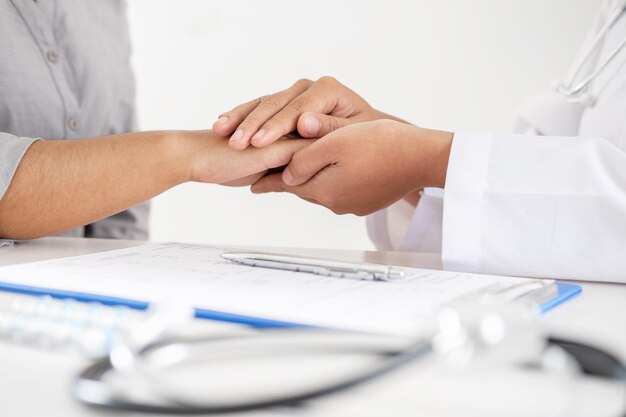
x,y
324,267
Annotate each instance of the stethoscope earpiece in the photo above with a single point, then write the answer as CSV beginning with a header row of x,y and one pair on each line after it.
x,y
583,97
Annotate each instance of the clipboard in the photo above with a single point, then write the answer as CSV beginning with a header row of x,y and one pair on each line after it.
x,y
564,292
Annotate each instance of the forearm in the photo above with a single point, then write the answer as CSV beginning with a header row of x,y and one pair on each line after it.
x,y
64,184
414,197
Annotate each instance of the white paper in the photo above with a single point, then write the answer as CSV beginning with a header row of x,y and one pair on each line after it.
x,y
196,275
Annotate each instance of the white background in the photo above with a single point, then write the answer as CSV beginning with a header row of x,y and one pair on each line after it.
x,y
456,64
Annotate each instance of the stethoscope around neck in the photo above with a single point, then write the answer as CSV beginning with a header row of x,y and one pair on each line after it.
x,y
575,88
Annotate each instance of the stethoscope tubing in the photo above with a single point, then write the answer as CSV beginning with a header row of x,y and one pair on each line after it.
x,y
91,380
571,90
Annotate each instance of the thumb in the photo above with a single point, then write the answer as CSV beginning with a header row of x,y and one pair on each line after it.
x,y
309,161
316,125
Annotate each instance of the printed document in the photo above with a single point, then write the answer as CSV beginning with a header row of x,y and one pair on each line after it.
x,y
197,276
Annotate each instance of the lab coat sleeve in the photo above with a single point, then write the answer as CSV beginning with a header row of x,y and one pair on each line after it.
x,y
540,206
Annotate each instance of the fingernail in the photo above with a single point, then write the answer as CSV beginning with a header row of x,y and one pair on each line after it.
x,y
222,120
259,135
238,135
311,125
287,177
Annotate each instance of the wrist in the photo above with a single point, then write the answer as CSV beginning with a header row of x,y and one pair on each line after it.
x,y
181,150
432,155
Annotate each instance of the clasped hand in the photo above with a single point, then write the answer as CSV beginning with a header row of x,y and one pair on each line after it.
x,y
363,161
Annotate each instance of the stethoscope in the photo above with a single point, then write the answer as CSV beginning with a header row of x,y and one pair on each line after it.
x,y
167,397
575,89
148,369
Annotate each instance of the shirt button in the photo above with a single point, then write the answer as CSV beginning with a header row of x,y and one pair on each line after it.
x,y
73,124
52,56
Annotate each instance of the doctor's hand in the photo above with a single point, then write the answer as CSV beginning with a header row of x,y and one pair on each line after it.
x,y
365,167
313,109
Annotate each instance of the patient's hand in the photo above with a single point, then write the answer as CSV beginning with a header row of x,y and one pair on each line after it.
x,y
62,184
213,161
312,108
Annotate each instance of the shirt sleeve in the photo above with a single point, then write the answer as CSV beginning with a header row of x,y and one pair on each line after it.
x,y
403,227
12,149
542,206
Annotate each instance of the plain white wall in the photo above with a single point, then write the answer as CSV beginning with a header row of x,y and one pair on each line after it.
x,y
455,64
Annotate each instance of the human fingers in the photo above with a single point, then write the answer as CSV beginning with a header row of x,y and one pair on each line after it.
x,y
227,122
245,181
279,154
310,160
321,96
316,125
266,107
272,183
327,104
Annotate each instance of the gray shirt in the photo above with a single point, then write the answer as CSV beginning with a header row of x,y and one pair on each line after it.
x,y
65,73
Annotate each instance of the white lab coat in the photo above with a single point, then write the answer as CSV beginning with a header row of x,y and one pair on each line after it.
x,y
549,201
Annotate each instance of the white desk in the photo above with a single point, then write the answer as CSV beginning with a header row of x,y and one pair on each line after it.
x,y
36,383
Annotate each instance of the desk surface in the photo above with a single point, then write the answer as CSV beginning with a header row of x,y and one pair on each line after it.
x,y
33,382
